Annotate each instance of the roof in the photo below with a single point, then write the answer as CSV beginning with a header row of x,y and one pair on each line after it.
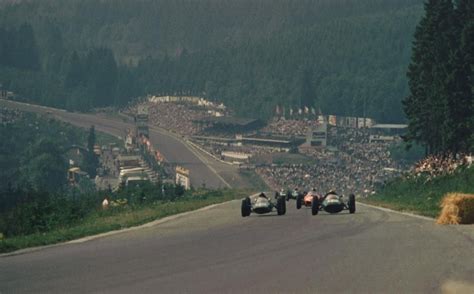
x,y
128,157
389,126
228,120
268,140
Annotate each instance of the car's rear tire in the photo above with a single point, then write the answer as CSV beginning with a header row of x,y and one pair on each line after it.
x,y
299,201
281,206
315,206
352,203
246,207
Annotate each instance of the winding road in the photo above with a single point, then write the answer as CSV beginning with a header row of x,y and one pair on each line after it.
x,y
203,168
215,250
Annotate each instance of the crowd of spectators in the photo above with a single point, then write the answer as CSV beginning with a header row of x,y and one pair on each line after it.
x,y
350,165
442,164
184,118
284,127
177,117
218,149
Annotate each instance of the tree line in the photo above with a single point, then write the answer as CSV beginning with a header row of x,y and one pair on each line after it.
x,y
440,106
343,57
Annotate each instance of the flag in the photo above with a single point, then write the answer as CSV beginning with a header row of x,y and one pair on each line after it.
x,y
291,111
306,110
320,119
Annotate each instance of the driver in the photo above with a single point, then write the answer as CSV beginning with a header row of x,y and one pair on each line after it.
x,y
282,192
313,192
263,195
331,192
296,193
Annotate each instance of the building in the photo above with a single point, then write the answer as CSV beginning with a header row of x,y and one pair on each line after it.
x,y
75,175
141,121
318,136
182,177
229,124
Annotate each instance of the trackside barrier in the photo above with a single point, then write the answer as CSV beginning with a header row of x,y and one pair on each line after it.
x,y
457,209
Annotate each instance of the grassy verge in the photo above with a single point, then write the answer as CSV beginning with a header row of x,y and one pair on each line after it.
x,y
119,218
254,180
105,139
420,195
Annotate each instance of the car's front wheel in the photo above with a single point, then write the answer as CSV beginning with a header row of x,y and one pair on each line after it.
x,y
245,207
352,203
315,206
281,206
299,201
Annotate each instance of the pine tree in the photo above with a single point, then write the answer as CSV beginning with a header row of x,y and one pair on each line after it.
x,y
459,104
431,109
419,78
91,162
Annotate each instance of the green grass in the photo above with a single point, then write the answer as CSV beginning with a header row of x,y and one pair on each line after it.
x,y
420,195
105,139
119,218
254,180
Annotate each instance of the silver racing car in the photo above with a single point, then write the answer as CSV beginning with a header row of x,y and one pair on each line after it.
x,y
333,203
262,204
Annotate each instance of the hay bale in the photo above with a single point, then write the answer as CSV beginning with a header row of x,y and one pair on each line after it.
x,y
457,209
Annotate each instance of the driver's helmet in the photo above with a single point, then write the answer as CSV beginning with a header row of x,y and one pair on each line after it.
x,y
282,191
332,191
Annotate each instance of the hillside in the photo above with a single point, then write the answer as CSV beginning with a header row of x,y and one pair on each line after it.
x,y
337,55
422,194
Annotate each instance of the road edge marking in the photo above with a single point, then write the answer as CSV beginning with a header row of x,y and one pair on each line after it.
x,y
426,218
115,232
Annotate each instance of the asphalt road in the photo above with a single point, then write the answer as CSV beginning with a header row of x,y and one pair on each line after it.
x,y
217,251
203,169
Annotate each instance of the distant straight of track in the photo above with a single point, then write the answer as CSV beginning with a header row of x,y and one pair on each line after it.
x,y
204,170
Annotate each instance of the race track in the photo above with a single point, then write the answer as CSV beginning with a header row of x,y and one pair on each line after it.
x,y
203,169
217,251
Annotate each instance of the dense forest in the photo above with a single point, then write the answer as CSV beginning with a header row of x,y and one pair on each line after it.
x,y
440,107
344,57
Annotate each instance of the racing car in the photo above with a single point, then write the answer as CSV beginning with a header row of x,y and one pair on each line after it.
x,y
262,205
333,203
293,195
307,199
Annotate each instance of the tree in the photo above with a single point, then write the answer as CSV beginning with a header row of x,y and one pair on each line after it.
x,y
430,107
44,168
91,162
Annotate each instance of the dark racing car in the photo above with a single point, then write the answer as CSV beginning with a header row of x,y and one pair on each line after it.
x,y
293,195
333,203
262,205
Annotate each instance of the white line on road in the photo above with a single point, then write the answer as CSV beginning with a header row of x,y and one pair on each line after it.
x,y
426,218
